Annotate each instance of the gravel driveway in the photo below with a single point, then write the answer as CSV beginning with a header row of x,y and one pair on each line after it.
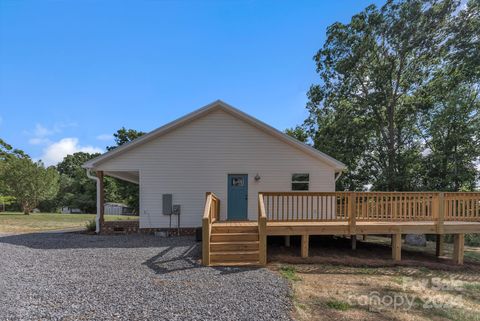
x,y
84,277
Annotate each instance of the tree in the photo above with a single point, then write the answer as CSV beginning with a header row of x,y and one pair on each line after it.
x,y
299,133
76,189
452,129
373,69
29,182
128,192
124,135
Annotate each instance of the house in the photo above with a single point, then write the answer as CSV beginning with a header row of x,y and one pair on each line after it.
x,y
219,149
241,180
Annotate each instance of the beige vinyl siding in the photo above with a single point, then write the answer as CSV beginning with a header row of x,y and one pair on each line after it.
x,y
196,158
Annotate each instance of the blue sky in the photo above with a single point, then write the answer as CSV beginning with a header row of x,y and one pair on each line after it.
x,y
73,72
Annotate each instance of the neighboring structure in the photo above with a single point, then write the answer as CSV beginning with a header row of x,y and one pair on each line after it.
x,y
111,208
242,180
69,210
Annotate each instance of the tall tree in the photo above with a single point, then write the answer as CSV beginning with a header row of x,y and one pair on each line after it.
x,y
123,136
365,109
129,192
451,128
453,141
29,182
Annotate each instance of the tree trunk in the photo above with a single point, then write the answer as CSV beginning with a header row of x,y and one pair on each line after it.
x,y
26,209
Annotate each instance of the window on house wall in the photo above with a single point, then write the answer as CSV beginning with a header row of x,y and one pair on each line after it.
x,y
300,182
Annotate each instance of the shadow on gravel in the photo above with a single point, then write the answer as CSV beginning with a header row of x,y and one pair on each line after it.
x,y
176,258
61,241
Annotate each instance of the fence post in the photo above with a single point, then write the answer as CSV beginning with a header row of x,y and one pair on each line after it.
x,y
441,212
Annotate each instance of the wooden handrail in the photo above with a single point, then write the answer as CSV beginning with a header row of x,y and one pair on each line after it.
x,y
352,207
211,213
262,231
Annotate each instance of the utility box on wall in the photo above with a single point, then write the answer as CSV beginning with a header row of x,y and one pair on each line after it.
x,y
167,204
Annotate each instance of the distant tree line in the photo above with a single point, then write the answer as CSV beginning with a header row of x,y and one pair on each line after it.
x,y
398,98
26,184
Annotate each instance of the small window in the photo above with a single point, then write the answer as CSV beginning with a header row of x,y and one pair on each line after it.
x,y
237,181
300,182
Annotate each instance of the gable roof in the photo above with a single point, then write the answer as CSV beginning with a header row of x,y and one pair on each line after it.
x,y
216,105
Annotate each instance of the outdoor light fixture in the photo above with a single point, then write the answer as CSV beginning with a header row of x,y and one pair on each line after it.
x,y
257,177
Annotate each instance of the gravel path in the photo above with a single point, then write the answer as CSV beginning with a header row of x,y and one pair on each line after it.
x,y
84,277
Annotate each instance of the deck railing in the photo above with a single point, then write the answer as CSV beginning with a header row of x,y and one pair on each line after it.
x,y
211,214
370,206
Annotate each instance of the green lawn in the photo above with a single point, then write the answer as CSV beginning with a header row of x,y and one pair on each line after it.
x,y
18,222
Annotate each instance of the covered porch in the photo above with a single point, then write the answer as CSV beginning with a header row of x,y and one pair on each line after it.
x,y
99,177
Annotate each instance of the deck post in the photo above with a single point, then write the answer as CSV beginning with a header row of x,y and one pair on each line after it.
x,y
458,248
305,241
440,246
353,239
287,240
102,199
397,246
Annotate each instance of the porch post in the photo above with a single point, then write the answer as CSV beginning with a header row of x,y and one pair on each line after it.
x,y
101,194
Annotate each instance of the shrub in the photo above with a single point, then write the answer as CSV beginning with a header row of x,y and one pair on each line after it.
x,y
91,226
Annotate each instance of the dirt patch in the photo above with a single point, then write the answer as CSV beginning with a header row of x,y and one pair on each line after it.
x,y
375,252
340,284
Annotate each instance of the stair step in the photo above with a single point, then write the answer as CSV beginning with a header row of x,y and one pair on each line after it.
x,y
233,237
233,246
235,256
234,229
250,263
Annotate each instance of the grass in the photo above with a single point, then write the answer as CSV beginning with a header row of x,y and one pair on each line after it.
x,y
347,293
338,305
19,223
359,286
289,273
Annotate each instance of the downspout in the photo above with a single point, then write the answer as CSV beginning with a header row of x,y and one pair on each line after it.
x,y
337,176
97,218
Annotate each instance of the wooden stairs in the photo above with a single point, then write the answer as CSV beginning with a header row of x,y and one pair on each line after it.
x,y
234,244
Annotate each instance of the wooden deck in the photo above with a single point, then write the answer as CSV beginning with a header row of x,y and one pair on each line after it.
x,y
340,213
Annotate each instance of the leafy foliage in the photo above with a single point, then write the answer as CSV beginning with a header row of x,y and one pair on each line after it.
x,y
123,136
29,182
392,80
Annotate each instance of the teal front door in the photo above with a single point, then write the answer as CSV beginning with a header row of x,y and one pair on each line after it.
x,y
237,197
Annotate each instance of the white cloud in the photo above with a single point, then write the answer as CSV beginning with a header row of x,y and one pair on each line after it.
x,y
41,133
55,152
38,141
105,137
